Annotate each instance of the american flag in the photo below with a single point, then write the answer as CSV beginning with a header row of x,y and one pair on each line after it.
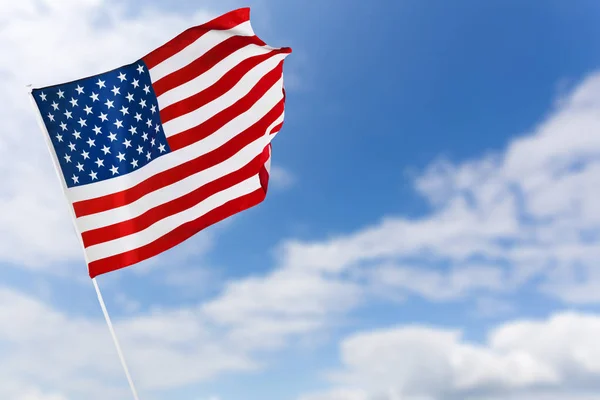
x,y
155,151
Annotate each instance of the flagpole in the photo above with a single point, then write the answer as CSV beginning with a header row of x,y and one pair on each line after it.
x,y
115,340
46,135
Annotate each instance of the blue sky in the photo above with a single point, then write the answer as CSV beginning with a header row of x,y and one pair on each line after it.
x,y
431,231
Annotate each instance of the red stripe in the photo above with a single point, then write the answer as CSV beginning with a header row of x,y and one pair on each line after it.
x,y
204,62
176,236
222,86
276,129
263,175
181,41
218,120
175,174
143,221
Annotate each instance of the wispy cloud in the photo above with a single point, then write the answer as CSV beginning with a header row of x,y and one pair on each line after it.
x,y
526,359
280,178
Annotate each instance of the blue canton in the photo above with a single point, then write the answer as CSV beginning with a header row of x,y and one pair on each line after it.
x,y
104,126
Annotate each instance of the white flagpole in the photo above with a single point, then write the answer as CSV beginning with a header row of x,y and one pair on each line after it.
x,y
115,340
100,299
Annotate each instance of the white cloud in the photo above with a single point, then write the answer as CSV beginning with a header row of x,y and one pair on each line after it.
x,y
339,394
436,285
496,222
265,312
12,390
553,358
281,178
127,304
165,349
492,307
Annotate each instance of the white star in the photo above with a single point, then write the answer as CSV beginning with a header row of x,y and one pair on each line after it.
x,y
106,150
99,162
121,156
72,146
161,148
140,68
122,77
54,105
68,158
145,136
114,170
75,178
127,143
51,117
61,94
91,142
143,103
68,114
130,97
59,137
135,83
148,156
88,110
94,175
115,90
79,167
152,142
94,97
97,130
112,137
63,126
109,104
73,102
149,122
153,108
77,134
85,155
119,124
82,122
100,84
134,163
43,96
138,117
79,89
157,128
124,110
147,89
103,117
133,130
140,149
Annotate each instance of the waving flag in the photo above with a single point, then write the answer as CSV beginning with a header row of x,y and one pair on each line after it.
x,y
155,151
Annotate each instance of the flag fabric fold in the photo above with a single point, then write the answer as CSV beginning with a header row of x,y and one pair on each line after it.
x,y
155,151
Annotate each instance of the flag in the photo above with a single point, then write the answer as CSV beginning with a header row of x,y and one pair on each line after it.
x,y
155,151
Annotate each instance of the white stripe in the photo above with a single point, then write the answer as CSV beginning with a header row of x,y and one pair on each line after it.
x,y
202,114
273,125
210,77
161,228
270,137
173,191
217,139
268,163
195,50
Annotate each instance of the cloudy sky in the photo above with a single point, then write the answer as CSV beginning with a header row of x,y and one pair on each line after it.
x,y
432,230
